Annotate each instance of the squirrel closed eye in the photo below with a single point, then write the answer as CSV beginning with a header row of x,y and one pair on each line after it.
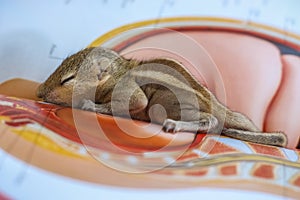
x,y
67,79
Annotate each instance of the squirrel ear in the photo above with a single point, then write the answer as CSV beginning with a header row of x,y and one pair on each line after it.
x,y
101,63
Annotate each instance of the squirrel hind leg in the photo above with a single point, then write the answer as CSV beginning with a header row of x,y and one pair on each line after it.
x,y
239,121
204,125
274,138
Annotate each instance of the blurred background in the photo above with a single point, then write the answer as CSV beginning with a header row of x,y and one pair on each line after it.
x,y
36,36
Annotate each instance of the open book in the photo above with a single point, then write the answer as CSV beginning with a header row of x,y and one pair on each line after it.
x,y
93,148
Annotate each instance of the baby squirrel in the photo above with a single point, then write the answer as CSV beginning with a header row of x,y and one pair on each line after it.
x,y
158,90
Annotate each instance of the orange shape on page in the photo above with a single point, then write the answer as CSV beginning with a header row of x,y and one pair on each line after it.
x,y
202,172
228,170
188,156
213,146
267,150
122,134
95,130
296,181
265,171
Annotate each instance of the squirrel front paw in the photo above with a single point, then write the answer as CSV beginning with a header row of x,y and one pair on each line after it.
x,y
87,105
171,126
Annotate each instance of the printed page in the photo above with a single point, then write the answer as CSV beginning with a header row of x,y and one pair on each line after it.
x,y
244,52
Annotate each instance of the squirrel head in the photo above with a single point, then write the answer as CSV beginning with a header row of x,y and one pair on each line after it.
x,y
79,75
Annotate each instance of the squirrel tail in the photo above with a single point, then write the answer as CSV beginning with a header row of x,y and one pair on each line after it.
x,y
273,138
241,127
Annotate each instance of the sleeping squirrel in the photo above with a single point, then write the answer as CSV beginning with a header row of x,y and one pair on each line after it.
x,y
158,90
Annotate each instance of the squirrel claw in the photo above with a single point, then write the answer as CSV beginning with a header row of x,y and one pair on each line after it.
x,y
170,126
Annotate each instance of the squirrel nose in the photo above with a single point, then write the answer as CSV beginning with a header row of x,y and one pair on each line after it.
x,y
40,91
